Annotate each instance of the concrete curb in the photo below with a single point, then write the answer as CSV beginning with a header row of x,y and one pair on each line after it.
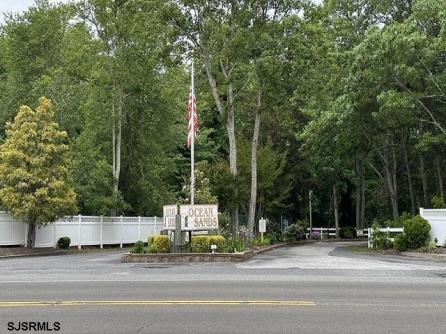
x,y
201,257
425,256
13,256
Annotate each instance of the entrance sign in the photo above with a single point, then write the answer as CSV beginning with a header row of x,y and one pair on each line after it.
x,y
199,217
169,213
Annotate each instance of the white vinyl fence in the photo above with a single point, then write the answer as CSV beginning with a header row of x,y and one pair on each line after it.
x,y
437,220
331,231
82,230
388,230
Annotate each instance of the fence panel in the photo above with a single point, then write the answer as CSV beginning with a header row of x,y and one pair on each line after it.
x,y
437,220
82,230
11,232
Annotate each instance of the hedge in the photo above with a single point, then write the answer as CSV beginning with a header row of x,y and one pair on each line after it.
x,y
159,244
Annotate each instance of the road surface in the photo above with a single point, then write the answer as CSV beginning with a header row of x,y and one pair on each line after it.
x,y
315,288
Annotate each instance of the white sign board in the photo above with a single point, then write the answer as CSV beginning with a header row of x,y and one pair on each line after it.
x,y
262,225
169,213
199,217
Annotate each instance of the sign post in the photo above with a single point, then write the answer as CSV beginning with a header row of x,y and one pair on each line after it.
x,y
262,228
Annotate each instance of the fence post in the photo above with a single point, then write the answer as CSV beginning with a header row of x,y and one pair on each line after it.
x,y
369,237
79,220
101,245
155,227
120,234
139,228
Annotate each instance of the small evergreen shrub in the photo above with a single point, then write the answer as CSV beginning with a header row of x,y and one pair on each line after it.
x,y
234,245
219,241
380,239
258,241
347,232
294,232
138,247
201,244
64,243
159,244
417,232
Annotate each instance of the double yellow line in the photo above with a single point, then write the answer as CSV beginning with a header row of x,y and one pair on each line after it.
x,y
156,302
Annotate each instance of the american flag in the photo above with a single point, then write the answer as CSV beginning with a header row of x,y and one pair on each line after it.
x,y
192,117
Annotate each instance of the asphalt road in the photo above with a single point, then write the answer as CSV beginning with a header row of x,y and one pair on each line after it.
x,y
317,288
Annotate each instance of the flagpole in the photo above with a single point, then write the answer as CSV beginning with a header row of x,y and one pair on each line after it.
x,y
192,148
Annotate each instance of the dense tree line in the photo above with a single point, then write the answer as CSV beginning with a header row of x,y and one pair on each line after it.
x,y
344,98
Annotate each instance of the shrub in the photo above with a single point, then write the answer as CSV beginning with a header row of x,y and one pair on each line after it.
x,y
219,241
315,236
234,245
63,243
417,232
400,243
380,240
294,232
201,244
159,244
258,242
138,247
438,202
347,232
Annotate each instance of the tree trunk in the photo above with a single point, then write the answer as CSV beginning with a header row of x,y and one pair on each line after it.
x,y
117,138
255,138
424,181
31,237
439,176
409,180
390,182
362,220
230,125
360,192
336,210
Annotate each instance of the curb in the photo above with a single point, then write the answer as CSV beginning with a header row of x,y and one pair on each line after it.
x,y
201,257
425,256
13,256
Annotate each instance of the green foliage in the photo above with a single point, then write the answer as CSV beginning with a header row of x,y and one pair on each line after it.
x,y
295,232
416,232
234,245
159,244
138,247
380,239
203,193
63,243
34,168
438,202
347,232
258,242
202,243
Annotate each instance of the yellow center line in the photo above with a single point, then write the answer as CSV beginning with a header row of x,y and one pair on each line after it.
x,y
156,302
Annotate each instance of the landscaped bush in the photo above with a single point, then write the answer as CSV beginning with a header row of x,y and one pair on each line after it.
x,y
219,241
234,245
380,239
138,247
294,232
258,242
416,234
315,236
347,232
159,244
63,243
202,243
